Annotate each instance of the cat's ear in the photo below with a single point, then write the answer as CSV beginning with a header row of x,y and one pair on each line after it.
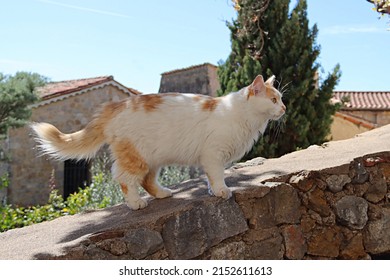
x,y
271,80
258,86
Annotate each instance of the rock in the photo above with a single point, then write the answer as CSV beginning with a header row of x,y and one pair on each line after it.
x,y
376,235
354,250
117,247
359,172
385,169
374,212
307,223
302,181
188,234
359,189
374,160
377,188
229,251
294,241
279,206
267,245
142,242
352,211
324,242
243,196
317,202
337,182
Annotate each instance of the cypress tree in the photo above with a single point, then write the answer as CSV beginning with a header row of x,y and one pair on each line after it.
x,y
267,39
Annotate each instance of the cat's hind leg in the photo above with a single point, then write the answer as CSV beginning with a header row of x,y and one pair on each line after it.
x,y
151,185
129,169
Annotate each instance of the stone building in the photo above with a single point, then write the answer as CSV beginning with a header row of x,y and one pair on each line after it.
x,y
361,111
202,79
69,105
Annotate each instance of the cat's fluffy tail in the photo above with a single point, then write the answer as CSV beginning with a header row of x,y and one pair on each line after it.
x,y
82,144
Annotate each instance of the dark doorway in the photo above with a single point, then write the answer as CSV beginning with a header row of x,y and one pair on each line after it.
x,y
76,175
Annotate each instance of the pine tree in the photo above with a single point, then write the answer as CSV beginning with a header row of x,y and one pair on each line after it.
x,y
267,39
16,94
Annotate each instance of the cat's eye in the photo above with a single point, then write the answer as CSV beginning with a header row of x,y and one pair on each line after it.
x,y
274,100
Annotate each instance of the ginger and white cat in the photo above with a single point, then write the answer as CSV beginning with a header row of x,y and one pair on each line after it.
x,y
147,132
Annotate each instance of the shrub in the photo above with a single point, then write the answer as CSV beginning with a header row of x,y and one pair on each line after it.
x,y
102,192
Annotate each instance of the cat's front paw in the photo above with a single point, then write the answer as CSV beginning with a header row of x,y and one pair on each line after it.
x,y
137,204
225,193
163,192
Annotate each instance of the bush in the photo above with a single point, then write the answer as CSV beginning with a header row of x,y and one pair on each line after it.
x,y
102,192
172,175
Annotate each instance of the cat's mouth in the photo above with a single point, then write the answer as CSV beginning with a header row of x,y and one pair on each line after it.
x,y
276,117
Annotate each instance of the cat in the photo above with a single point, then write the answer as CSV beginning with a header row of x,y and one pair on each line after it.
x,y
147,132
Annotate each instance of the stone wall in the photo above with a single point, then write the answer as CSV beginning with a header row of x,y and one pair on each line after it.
x,y
29,173
378,117
3,165
325,202
202,79
342,128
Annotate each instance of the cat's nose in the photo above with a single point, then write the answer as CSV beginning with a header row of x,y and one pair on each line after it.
x,y
283,108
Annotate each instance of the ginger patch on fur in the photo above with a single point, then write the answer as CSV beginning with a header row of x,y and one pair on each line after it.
x,y
250,93
128,158
149,102
270,93
124,189
210,104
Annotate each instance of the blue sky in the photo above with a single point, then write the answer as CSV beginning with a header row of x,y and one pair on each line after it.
x,y
136,41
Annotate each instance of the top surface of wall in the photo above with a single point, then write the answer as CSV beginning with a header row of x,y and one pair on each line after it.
x,y
191,206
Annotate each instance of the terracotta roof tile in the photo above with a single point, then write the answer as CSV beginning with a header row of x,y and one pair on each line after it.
x,y
363,100
64,87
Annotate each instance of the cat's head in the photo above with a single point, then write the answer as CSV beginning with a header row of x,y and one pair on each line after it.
x,y
266,97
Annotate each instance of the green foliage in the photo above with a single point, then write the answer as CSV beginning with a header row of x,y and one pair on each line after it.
x,y
103,192
16,93
172,175
268,40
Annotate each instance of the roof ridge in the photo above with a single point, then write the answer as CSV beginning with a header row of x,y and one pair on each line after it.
x,y
109,77
188,68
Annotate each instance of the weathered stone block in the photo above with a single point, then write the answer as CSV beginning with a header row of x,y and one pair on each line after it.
x,y
352,212
188,234
280,206
337,182
143,242
317,202
302,181
230,251
377,188
270,248
294,241
385,169
324,242
117,247
376,235
354,250
358,172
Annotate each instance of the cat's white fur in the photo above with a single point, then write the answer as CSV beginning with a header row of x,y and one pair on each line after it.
x,y
146,133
